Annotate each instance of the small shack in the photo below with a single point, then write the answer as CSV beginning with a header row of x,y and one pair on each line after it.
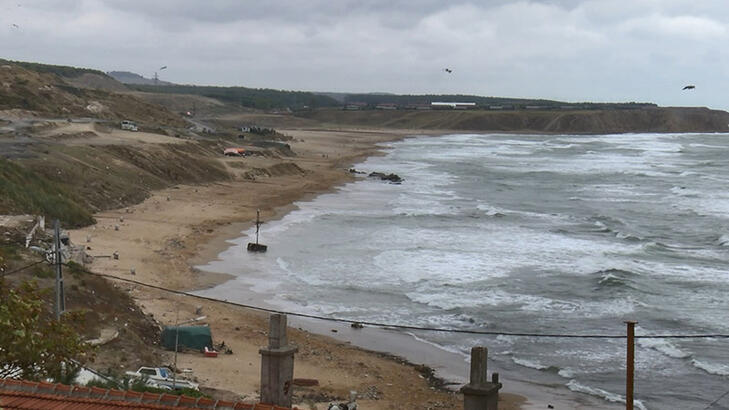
x,y
192,337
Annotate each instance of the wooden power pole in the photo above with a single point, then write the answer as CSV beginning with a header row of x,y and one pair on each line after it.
x,y
630,365
60,305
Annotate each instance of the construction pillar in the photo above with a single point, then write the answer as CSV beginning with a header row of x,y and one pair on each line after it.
x,y
479,393
277,365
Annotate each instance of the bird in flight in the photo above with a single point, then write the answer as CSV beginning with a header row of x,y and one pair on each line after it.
x,y
689,87
15,25
447,70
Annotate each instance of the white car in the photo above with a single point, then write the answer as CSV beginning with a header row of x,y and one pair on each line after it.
x,y
129,125
161,377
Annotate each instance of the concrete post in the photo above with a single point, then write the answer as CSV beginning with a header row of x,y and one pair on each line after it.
x,y
277,365
479,393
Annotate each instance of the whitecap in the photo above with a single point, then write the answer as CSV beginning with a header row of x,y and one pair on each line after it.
x,y
712,368
529,363
567,373
604,394
723,240
665,347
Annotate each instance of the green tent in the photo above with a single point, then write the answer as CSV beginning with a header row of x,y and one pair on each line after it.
x,y
193,337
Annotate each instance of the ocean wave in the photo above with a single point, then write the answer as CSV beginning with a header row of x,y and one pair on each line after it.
x,y
656,246
683,191
529,363
603,394
567,373
723,240
533,364
601,227
491,211
605,223
628,237
665,347
712,368
614,277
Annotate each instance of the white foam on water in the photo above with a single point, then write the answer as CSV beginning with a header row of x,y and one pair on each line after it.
x,y
432,271
718,369
567,373
529,363
665,347
723,240
707,203
491,210
575,386
446,348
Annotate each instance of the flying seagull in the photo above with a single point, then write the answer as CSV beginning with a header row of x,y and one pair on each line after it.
x,y
689,87
447,70
15,25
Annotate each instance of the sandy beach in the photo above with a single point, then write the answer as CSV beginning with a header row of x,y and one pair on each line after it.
x,y
161,240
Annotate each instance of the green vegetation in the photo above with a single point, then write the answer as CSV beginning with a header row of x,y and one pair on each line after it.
x,y
62,70
261,98
32,342
404,101
24,191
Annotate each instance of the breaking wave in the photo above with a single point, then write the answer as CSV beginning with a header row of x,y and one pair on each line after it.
x,y
711,368
603,394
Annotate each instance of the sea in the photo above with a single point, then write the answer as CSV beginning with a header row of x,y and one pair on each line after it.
x,y
538,234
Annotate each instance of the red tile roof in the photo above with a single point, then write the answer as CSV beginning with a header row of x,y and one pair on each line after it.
x,y
21,394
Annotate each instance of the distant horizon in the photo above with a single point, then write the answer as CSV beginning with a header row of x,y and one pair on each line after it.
x,y
385,93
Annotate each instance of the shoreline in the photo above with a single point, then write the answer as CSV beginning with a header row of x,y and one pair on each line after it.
x,y
159,239
168,236
450,369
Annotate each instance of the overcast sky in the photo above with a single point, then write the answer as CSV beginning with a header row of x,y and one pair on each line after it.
x,y
572,50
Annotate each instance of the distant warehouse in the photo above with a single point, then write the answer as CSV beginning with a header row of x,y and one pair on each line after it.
x,y
453,105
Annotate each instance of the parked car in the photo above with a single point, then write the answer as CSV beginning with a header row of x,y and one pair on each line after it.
x,y
129,125
161,377
236,152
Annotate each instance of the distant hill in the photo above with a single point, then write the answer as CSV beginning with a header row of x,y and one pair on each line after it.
x,y
259,98
577,121
59,91
371,100
128,77
61,70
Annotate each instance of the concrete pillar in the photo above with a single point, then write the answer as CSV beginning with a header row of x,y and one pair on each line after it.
x,y
277,364
479,393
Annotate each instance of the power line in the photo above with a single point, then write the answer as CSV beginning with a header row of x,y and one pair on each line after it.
x,y
407,327
716,401
3,274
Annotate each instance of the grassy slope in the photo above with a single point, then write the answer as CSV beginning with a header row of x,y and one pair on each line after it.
x,y
72,182
258,98
25,191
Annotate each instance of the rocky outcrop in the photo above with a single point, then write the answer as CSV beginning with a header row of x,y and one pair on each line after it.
x,y
394,178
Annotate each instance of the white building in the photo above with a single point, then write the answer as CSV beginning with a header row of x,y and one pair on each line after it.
x,y
453,105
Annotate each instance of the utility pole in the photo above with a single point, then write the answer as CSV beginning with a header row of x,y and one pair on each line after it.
x,y
177,336
630,365
60,305
156,77
177,340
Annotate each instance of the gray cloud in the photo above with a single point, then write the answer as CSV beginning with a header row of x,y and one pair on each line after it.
x,y
642,50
